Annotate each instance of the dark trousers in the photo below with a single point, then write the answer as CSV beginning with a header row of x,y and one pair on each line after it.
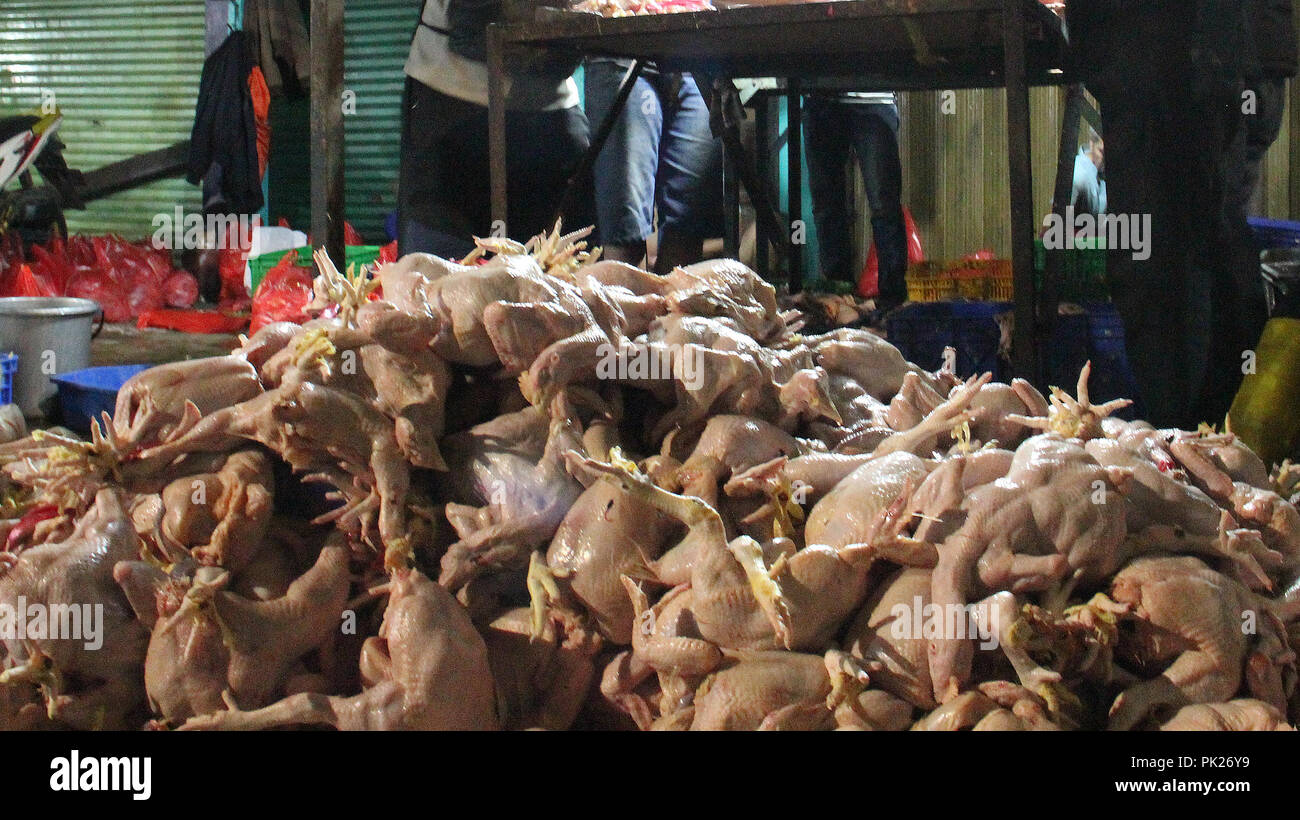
x,y
1237,289
1164,158
831,129
444,191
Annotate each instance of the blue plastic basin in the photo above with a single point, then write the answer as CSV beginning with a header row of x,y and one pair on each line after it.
x,y
84,394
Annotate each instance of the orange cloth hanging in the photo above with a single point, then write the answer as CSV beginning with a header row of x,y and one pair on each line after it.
x,y
262,113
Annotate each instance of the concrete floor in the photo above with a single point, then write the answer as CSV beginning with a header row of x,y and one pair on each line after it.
x,y
126,344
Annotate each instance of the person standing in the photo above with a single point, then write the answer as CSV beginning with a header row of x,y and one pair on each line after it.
x,y
444,194
661,156
1089,193
866,125
1169,75
1241,310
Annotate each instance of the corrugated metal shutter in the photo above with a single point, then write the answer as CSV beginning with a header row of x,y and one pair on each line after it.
x,y
125,75
377,38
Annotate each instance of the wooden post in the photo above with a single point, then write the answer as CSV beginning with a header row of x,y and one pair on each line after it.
x,y
794,161
1293,164
496,66
762,165
1024,352
327,128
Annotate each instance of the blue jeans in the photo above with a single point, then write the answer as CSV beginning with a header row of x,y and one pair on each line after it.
x,y
831,129
661,154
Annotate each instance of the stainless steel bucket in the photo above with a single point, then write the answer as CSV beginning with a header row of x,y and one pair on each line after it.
x,y
51,335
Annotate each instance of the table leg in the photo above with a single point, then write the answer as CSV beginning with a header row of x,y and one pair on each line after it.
x,y
1049,295
794,160
497,127
762,147
794,194
725,115
1024,352
730,204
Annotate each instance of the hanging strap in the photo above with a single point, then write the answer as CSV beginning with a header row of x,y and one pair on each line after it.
x,y
421,24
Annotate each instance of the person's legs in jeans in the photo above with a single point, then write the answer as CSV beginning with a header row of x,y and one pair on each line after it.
x,y
689,179
624,171
875,140
827,138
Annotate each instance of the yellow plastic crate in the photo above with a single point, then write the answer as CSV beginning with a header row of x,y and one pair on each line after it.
x,y
926,283
980,279
971,280
1002,286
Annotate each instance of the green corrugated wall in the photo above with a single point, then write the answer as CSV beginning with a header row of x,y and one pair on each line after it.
x,y
124,74
377,37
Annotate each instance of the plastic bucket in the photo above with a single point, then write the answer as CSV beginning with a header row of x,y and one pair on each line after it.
x,y
51,335
1281,270
1266,410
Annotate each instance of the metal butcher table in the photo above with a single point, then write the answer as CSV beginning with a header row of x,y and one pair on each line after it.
x,y
865,45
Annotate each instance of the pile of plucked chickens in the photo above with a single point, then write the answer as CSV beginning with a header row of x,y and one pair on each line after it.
x,y
556,492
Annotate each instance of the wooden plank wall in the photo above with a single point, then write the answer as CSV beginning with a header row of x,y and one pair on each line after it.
x,y
955,168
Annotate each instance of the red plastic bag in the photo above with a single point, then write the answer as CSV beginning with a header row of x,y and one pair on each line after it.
x,y
181,290
52,264
125,278
350,235
869,280
28,283
283,295
234,295
192,321
104,291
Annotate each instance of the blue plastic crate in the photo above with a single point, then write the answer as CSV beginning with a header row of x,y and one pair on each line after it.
x,y
977,338
922,330
1069,350
1275,233
84,394
1112,378
8,369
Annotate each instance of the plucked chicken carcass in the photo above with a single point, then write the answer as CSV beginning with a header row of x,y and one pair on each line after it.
x,y
427,669
88,668
564,492
209,642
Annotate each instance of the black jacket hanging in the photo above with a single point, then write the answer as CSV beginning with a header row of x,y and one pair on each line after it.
x,y
225,128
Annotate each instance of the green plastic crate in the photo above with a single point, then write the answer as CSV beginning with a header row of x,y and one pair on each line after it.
x,y
356,255
1083,271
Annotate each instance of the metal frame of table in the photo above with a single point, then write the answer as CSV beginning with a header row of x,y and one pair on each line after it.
x,y
894,45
